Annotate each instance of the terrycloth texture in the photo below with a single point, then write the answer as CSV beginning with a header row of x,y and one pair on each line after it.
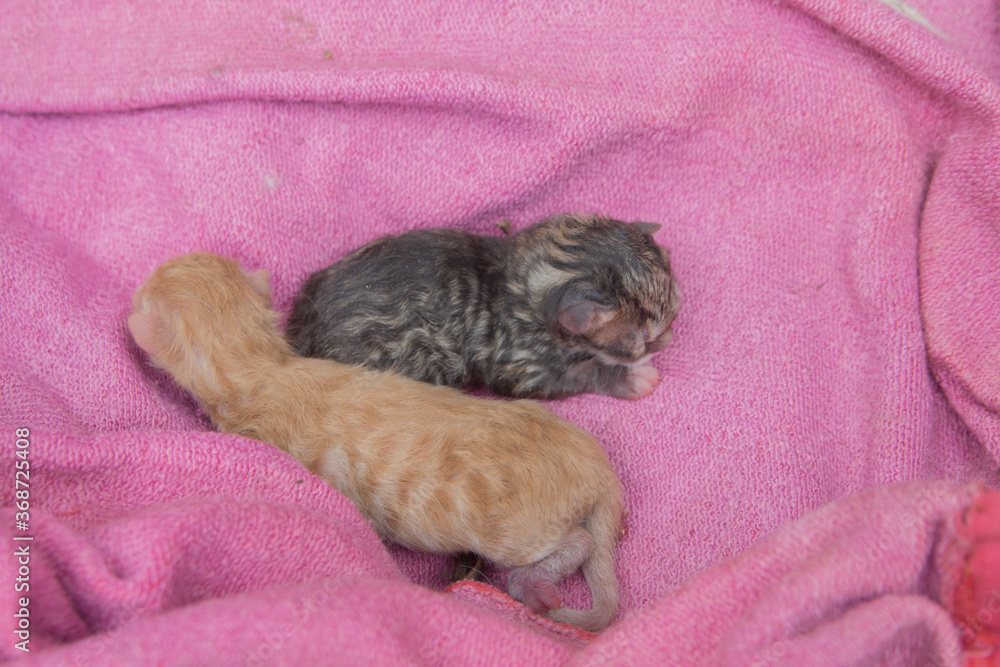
x,y
826,172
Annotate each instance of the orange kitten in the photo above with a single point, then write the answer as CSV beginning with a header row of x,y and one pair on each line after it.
x,y
431,468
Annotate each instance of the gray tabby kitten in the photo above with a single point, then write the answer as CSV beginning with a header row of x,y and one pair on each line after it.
x,y
566,306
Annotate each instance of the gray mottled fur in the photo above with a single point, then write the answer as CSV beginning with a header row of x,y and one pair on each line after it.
x,y
547,312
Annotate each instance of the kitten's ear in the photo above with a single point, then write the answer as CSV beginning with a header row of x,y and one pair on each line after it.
x,y
578,314
261,283
647,227
146,331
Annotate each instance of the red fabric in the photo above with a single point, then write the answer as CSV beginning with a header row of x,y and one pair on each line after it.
x,y
976,603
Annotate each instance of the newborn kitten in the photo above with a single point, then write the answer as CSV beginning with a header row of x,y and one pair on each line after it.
x,y
566,306
432,468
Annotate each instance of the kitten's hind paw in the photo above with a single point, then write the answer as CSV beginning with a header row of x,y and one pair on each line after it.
x,y
540,596
535,590
640,381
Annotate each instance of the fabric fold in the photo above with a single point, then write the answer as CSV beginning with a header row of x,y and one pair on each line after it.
x,y
810,483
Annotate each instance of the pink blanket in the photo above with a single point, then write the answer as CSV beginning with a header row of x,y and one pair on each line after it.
x,y
810,483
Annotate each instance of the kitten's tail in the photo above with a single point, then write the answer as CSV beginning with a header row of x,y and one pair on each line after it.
x,y
604,525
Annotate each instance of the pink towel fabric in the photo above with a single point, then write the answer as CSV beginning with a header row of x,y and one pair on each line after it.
x,y
799,486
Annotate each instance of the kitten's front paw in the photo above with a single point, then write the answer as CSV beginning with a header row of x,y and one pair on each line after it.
x,y
640,381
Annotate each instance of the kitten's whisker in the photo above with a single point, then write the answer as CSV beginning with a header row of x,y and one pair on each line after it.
x,y
483,575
